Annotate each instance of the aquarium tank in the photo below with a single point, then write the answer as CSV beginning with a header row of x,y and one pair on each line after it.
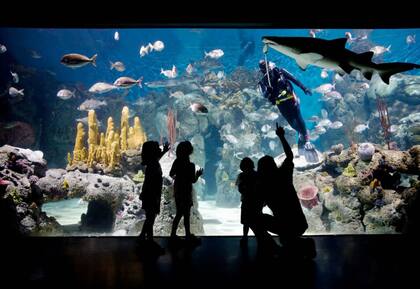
x,y
77,105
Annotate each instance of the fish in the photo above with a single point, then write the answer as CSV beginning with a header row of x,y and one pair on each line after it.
x,y
272,145
74,60
209,90
265,128
319,129
410,39
170,83
3,49
13,92
238,155
336,125
15,77
189,69
272,116
324,88
127,82
35,55
157,46
378,50
91,104
85,119
324,73
324,113
198,108
118,65
325,122
169,73
393,128
220,75
334,95
313,136
177,94
65,94
144,50
361,128
101,87
332,54
270,134
214,54
257,155
232,139
351,39
116,36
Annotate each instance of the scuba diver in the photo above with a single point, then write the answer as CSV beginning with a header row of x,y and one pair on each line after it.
x,y
278,89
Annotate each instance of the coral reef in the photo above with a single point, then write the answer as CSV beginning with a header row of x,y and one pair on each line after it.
x,y
104,151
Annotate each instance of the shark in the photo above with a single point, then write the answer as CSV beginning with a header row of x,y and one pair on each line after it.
x,y
332,54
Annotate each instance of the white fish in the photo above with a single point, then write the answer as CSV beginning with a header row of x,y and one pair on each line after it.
x,y
334,95
324,73
313,32
101,87
3,49
177,94
169,73
272,116
65,94
361,127
364,85
257,155
144,50
393,128
198,108
265,128
35,55
324,88
209,90
220,75
350,38
118,65
324,113
232,139
116,36
254,116
325,122
338,78
84,120
157,46
336,125
238,155
89,104
13,92
410,39
15,77
319,129
214,54
313,136
272,145
378,50
270,134
189,69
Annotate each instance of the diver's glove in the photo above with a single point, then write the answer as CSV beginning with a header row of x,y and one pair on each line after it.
x,y
309,146
308,91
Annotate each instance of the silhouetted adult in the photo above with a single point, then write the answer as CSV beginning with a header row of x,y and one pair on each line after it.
x,y
184,174
152,186
276,183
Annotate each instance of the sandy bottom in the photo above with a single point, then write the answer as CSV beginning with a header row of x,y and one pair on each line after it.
x,y
66,212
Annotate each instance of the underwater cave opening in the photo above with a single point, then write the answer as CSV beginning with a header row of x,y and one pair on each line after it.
x,y
213,158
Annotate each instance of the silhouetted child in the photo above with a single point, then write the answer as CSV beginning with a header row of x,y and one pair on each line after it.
x,y
152,186
250,207
184,174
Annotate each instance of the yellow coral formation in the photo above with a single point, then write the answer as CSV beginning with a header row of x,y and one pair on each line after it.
x,y
106,148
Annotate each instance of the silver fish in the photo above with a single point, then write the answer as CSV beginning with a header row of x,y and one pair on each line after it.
x,y
75,60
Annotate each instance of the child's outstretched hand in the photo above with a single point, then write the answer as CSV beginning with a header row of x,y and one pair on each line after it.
x,y
166,147
279,130
199,172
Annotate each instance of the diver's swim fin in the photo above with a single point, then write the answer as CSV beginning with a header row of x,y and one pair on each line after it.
x,y
311,155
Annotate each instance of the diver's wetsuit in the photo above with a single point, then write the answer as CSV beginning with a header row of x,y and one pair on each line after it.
x,y
281,93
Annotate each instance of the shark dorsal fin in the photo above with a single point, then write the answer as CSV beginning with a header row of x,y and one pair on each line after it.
x,y
367,56
339,42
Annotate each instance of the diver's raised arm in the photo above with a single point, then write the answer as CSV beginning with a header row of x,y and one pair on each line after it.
x,y
293,79
286,147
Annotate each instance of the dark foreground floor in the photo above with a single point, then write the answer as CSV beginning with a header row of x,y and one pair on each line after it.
x,y
342,262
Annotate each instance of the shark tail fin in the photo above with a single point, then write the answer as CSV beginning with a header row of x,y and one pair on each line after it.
x,y
388,48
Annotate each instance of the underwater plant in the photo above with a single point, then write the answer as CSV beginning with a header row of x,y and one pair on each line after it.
x,y
14,193
139,177
384,118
